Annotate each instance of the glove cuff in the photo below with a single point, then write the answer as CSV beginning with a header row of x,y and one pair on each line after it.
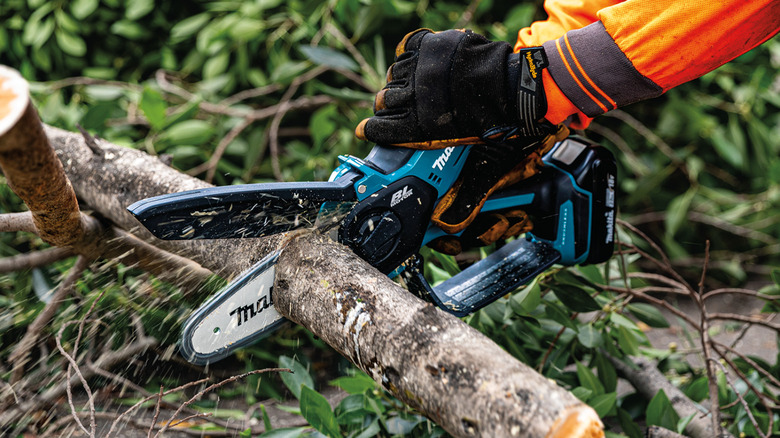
x,y
525,70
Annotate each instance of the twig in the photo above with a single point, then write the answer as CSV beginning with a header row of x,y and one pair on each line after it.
x,y
467,15
248,94
90,141
625,150
694,216
704,328
364,66
215,386
11,222
156,412
741,399
740,291
149,397
73,365
35,259
283,107
22,350
659,278
647,133
748,319
775,381
81,80
211,165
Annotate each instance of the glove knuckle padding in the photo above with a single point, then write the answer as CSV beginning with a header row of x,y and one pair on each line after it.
x,y
480,84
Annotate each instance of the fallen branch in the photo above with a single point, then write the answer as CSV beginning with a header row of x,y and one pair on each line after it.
x,y
454,375
648,381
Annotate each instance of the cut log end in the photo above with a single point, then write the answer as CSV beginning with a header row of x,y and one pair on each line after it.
x,y
580,422
14,98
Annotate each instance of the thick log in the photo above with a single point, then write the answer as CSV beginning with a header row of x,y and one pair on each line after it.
x,y
31,167
427,358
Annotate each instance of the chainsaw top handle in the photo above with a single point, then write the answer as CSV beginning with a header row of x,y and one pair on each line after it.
x,y
571,202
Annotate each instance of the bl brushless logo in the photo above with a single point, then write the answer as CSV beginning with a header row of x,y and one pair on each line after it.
x,y
400,196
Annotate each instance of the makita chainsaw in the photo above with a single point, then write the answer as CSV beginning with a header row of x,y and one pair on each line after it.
x,y
380,207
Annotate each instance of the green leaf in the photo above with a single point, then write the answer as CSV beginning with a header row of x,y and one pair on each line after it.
x,y
661,413
776,276
582,393
70,43
246,29
138,8
606,372
128,29
299,376
189,26
526,299
589,337
266,418
316,410
328,57
357,384
153,106
83,8
42,33
628,424
287,432
560,316
648,314
192,132
677,211
372,430
588,379
322,124
216,65
622,321
683,423
575,298
627,341
603,403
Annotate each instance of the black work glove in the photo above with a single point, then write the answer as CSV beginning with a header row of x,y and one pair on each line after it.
x,y
456,88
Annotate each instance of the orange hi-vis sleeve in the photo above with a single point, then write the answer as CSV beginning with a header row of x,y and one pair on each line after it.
x,y
563,16
638,49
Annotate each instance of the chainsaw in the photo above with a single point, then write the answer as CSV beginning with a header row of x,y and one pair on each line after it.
x,y
380,207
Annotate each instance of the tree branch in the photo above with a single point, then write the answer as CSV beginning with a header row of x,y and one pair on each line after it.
x,y
648,381
32,168
454,375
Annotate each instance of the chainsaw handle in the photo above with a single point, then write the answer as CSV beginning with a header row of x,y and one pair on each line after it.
x,y
511,266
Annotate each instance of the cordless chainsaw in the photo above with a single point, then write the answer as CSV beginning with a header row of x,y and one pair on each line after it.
x,y
380,207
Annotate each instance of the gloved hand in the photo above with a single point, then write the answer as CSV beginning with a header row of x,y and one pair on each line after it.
x,y
456,88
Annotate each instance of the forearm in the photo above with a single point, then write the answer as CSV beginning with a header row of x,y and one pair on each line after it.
x,y
639,49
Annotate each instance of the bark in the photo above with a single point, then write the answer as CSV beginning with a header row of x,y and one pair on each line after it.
x,y
31,167
647,380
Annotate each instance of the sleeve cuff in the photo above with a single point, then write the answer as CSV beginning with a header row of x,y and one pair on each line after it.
x,y
591,71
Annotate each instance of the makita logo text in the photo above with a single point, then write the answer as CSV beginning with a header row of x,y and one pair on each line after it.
x,y
442,160
245,313
400,195
610,216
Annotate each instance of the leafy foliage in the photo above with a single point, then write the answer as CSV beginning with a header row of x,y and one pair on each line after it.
x,y
205,82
